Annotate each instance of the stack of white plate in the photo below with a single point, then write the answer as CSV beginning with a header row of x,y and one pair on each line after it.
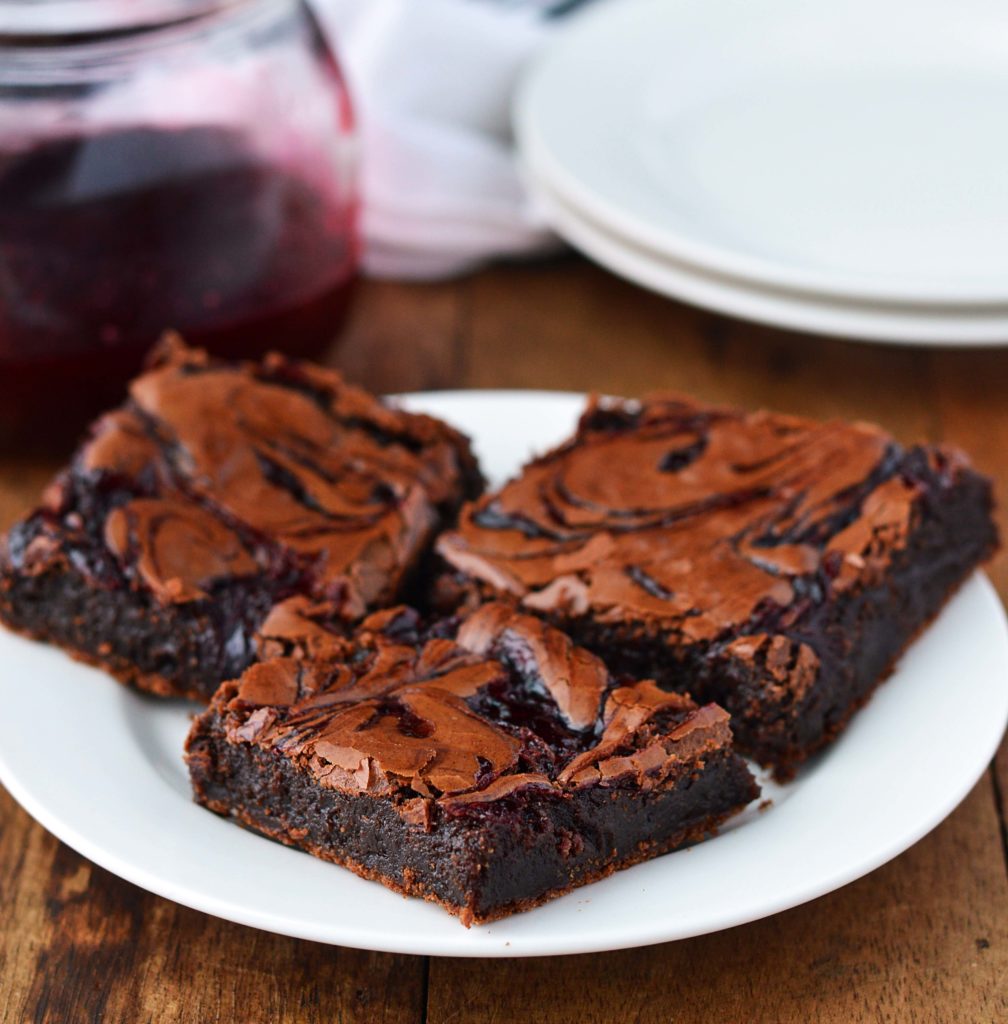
x,y
839,168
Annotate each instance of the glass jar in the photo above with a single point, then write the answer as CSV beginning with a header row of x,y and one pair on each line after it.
x,y
164,164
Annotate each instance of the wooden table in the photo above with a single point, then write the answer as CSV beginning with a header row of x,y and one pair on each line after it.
x,y
922,939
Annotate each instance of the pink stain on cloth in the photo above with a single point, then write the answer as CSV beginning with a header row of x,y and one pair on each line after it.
x,y
432,83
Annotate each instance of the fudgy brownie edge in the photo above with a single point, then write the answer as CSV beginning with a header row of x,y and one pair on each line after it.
x,y
214,492
486,764
772,564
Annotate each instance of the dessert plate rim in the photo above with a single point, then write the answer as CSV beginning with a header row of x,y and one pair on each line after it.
x,y
973,327
619,60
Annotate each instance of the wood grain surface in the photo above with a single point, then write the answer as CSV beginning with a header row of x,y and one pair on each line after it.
x,y
923,939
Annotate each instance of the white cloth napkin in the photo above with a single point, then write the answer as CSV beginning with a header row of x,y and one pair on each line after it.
x,y
431,82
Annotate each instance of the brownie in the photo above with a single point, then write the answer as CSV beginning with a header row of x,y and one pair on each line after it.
x,y
486,764
215,491
774,565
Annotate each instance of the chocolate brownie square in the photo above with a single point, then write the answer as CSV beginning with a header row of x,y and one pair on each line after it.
x,y
486,764
215,491
774,565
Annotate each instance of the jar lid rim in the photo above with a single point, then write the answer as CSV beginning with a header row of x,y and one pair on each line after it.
x,y
50,20
72,59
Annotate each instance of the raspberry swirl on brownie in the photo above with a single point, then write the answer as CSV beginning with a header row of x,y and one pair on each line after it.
x,y
215,491
486,764
772,563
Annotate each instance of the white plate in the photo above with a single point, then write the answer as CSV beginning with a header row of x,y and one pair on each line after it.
x,y
856,150
100,766
905,325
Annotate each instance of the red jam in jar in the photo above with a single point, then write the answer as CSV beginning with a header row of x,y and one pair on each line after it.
x,y
238,235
